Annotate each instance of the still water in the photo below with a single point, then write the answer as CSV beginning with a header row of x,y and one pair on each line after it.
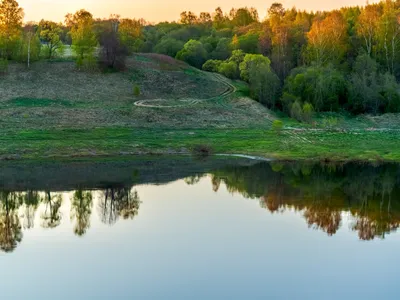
x,y
188,229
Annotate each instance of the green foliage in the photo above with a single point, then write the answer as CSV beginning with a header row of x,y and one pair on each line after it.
x,y
193,53
323,87
277,126
371,91
308,112
248,43
84,40
237,56
296,111
252,61
169,46
136,90
229,69
264,84
223,49
212,65
50,34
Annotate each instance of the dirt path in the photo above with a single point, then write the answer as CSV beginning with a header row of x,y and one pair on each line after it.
x,y
159,103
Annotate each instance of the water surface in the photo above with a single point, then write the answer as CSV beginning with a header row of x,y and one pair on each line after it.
x,y
188,229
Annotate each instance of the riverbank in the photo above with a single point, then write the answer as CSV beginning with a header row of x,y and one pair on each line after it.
x,y
288,145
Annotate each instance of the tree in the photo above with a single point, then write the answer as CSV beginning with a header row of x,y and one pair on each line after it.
x,y
371,91
205,18
193,53
223,49
130,33
389,34
323,87
219,19
81,210
367,26
83,37
212,65
11,16
244,16
327,39
50,34
229,69
10,227
169,46
113,53
252,61
188,18
31,200
28,47
51,217
264,84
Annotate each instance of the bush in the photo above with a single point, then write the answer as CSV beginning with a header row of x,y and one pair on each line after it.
x,y
308,112
212,65
296,111
136,90
252,61
169,46
323,87
277,127
229,69
193,53
202,150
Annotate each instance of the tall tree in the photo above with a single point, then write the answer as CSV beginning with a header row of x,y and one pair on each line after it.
x,y
11,16
389,34
328,39
84,40
50,34
367,26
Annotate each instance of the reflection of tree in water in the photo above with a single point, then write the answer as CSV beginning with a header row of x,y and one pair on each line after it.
x,y
31,201
323,192
195,179
373,216
118,202
10,227
81,210
51,216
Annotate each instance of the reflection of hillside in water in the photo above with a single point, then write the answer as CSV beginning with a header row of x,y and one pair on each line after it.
x,y
323,193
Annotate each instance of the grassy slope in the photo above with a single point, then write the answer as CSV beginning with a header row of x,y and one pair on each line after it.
x,y
55,111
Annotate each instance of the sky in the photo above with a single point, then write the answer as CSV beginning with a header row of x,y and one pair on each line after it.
x,y
161,10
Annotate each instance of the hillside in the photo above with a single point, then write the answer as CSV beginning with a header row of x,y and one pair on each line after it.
x,y
173,94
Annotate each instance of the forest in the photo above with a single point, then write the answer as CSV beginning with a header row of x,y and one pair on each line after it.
x,y
296,61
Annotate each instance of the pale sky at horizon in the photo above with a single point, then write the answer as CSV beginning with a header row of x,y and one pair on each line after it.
x,y
162,10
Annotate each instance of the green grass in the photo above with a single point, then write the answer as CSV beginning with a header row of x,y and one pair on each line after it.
x,y
371,146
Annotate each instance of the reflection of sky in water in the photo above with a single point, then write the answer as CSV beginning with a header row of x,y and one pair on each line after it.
x,y
188,242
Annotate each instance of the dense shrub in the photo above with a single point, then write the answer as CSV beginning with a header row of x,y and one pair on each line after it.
x,y
193,53
212,65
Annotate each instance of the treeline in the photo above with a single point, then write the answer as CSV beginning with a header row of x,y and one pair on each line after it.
x,y
296,61
93,41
